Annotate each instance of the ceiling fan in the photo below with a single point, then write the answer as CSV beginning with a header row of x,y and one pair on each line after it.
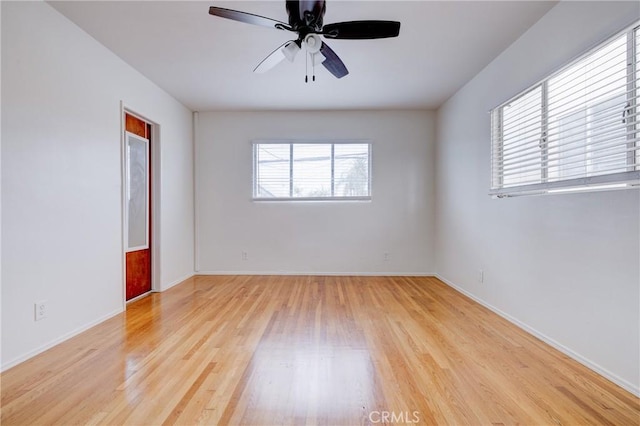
x,y
306,19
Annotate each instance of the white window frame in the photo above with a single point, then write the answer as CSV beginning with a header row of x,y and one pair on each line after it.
x,y
614,180
291,142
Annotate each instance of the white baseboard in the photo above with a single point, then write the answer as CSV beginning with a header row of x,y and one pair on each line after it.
x,y
58,340
315,273
176,282
67,336
626,385
567,351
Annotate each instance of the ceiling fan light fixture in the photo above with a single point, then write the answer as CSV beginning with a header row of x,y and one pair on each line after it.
x,y
290,50
313,42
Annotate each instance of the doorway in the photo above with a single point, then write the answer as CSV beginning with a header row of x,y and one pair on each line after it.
x,y
138,212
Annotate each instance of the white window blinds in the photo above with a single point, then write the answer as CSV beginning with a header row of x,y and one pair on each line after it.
x,y
577,128
311,170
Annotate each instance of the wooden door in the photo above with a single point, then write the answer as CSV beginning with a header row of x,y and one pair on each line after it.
x,y
138,247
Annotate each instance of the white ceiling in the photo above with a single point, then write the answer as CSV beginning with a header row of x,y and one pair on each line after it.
x,y
206,62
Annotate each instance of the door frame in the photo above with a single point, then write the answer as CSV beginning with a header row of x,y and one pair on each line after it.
x,y
156,172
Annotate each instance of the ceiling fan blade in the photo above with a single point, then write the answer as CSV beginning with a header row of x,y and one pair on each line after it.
x,y
361,30
248,18
285,51
332,62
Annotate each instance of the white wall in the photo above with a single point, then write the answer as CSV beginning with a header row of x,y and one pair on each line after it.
x,y
0,193
566,267
316,237
61,178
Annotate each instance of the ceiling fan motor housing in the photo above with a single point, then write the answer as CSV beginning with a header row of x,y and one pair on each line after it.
x,y
305,16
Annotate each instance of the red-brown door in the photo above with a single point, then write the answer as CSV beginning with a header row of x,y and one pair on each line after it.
x,y
138,261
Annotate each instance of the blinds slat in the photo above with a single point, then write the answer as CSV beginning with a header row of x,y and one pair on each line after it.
x,y
555,161
577,158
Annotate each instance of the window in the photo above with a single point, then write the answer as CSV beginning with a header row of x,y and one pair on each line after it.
x,y
576,129
310,170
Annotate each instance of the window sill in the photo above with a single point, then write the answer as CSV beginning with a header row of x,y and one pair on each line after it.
x,y
312,199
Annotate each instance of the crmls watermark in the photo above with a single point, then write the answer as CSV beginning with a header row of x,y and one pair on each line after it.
x,y
394,417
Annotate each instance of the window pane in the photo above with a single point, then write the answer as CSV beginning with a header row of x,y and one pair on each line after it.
x,y
521,156
272,170
137,194
635,127
587,133
351,170
311,170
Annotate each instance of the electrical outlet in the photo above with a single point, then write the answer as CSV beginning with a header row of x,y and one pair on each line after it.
x,y
387,257
480,276
245,256
40,310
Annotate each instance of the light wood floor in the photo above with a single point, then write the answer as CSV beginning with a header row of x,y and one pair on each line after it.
x,y
309,350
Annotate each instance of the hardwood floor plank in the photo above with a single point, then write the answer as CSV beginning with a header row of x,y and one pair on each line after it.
x,y
263,350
